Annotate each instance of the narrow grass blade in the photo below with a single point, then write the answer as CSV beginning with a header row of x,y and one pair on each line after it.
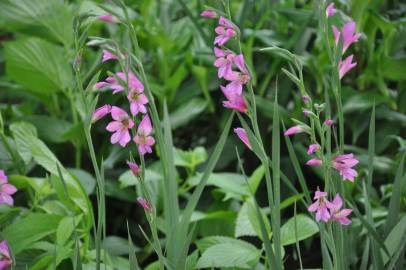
x,y
394,203
171,188
267,243
297,168
131,252
194,199
276,175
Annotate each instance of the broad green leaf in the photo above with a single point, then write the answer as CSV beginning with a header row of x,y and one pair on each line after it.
x,y
26,139
307,227
50,19
190,158
393,68
243,226
49,128
117,246
24,232
256,178
235,253
65,229
38,65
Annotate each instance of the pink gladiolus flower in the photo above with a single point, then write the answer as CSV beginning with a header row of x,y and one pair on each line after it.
x,y
234,101
224,31
243,136
137,101
238,79
346,65
224,62
136,170
329,122
108,56
330,10
144,203
321,206
5,258
293,130
6,190
133,82
100,112
120,126
339,214
143,139
313,148
306,112
100,85
314,162
107,18
343,164
209,14
348,35
305,99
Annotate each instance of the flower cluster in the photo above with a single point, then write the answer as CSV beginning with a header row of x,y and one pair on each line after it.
x,y
6,190
122,122
348,36
231,67
329,210
5,257
342,163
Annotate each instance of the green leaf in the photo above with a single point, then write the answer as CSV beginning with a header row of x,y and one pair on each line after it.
x,y
186,112
65,229
394,203
393,68
230,253
49,128
256,178
395,239
128,179
243,225
306,228
25,138
24,232
191,158
38,65
51,19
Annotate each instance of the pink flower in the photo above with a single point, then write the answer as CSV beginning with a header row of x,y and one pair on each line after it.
x,y
238,79
136,170
209,14
121,84
343,164
346,65
100,85
306,99
243,136
5,258
330,10
144,203
348,35
120,126
293,130
108,56
137,101
314,162
6,190
321,206
234,101
313,148
107,18
338,214
3,177
224,31
306,112
223,62
143,139
100,112
329,122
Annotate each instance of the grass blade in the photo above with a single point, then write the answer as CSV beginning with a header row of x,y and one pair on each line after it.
x,y
192,203
276,181
131,252
394,203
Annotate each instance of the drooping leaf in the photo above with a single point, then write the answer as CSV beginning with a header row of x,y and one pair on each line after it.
x,y
306,228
